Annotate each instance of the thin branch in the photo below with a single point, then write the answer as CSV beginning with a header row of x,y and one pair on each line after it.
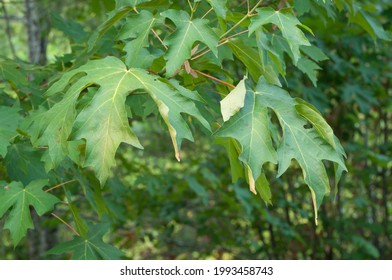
x,y
206,13
190,6
215,79
65,223
223,41
159,38
59,185
8,29
241,20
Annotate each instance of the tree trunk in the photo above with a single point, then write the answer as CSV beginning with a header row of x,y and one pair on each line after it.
x,y
37,26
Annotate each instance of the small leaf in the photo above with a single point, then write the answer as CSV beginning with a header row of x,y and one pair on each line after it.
x,y
310,68
138,28
287,23
181,41
219,7
19,199
91,247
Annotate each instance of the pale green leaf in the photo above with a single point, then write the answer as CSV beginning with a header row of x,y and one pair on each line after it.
x,y
181,41
234,101
104,122
18,199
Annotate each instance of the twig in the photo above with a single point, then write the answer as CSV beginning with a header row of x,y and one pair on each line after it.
x,y
207,13
215,79
223,41
59,185
241,20
159,38
65,223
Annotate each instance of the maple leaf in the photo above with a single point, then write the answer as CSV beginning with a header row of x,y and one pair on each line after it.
x,y
251,59
91,247
103,123
309,146
250,128
219,7
9,123
180,42
19,199
287,23
138,28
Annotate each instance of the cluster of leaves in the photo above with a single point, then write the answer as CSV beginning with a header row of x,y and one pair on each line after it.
x,y
157,60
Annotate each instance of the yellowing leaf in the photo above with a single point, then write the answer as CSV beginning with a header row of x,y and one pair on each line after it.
x,y
234,101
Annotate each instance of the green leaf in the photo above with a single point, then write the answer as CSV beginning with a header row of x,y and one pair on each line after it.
x,y
9,123
10,71
263,189
219,7
369,24
310,113
299,142
104,122
250,57
18,198
113,18
181,41
310,68
250,128
288,25
233,150
138,28
91,247
24,164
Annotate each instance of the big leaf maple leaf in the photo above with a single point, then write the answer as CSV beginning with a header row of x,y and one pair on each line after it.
x,y
103,123
308,145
